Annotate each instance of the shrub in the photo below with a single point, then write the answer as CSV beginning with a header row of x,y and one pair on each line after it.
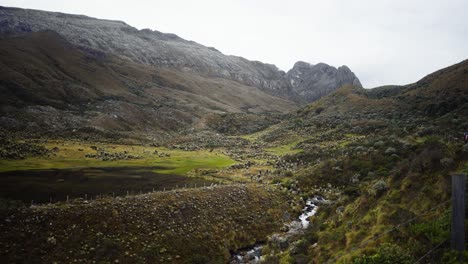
x,y
199,259
436,231
447,163
300,247
390,151
386,254
379,187
429,157
319,110
465,148
352,191
451,257
272,259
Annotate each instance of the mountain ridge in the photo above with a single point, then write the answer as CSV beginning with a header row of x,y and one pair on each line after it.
x,y
46,79
150,47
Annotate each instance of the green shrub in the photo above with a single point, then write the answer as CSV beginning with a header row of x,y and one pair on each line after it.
x,y
352,191
436,231
386,254
272,259
451,257
379,188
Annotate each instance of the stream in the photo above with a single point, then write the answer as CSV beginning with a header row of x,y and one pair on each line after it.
x,y
253,254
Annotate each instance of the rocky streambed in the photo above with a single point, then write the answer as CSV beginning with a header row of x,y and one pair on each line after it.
x,y
253,254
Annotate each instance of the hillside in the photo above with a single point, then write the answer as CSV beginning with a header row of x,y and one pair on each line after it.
x,y
120,145
385,156
49,85
380,159
197,226
99,38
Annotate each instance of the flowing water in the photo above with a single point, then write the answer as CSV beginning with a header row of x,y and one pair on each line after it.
x,y
253,255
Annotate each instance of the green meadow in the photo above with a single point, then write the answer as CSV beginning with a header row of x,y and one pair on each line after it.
x,y
72,155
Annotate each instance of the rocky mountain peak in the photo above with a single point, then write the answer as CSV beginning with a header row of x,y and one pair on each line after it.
x,y
301,64
313,81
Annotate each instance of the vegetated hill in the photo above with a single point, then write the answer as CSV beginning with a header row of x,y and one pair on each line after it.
x,y
100,38
436,99
385,157
48,85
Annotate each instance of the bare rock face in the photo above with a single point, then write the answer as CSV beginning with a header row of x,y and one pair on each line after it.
x,y
315,81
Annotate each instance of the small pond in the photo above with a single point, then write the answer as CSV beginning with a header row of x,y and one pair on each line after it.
x,y
42,186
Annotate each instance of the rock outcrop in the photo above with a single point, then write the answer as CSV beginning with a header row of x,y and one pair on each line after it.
x,y
315,81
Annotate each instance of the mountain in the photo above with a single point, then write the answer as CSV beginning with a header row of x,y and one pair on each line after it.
x,y
312,82
51,86
380,158
100,38
147,47
368,169
386,155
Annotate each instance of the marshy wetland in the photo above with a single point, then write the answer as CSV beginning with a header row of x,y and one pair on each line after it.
x,y
52,185
73,170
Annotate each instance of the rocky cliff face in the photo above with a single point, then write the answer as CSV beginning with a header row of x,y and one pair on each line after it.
x,y
100,38
315,81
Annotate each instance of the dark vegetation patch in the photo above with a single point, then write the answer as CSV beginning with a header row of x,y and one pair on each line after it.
x,y
188,226
43,186
10,149
241,123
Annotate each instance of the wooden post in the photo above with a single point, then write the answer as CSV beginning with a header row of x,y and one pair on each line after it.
x,y
458,213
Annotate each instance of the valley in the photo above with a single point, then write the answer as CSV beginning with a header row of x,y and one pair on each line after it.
x,y
120,145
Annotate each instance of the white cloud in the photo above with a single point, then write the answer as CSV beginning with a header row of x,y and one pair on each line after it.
x,y
383,42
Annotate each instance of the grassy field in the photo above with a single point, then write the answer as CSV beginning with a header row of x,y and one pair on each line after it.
x,y
71,154
66,172
285,149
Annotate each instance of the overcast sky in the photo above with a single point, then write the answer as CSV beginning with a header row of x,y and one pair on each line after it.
x,y
382,41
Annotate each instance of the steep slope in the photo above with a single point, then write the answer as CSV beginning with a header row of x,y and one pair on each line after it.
x,y
49,85
312,82
99,38
384,158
